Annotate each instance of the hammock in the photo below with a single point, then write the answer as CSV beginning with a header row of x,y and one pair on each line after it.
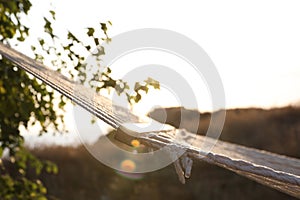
x,y
273,170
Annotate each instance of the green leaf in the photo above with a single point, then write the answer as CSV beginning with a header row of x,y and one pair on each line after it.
x,y
152,82
21,38
137,98
144,88
90,31
33,48
109,83
47,27
42,42
88,47
108,70
52,14
96,40
137,86
54,169
72,37
100,51
103,27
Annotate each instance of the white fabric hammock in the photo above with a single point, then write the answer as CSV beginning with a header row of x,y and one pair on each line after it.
x,y
276,171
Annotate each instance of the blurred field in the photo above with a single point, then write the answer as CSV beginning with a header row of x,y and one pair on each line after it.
x,y
82,177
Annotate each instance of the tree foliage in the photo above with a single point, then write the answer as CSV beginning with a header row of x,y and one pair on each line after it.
x,y
21,98
26,101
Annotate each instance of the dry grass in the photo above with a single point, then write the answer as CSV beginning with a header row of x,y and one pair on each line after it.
x,y
83,177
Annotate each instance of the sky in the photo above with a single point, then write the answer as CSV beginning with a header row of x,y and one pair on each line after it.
x,y
255,45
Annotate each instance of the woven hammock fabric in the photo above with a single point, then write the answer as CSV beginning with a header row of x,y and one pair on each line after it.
x,y
276,171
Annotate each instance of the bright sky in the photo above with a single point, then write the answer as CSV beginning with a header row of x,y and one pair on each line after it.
x,y
255,45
